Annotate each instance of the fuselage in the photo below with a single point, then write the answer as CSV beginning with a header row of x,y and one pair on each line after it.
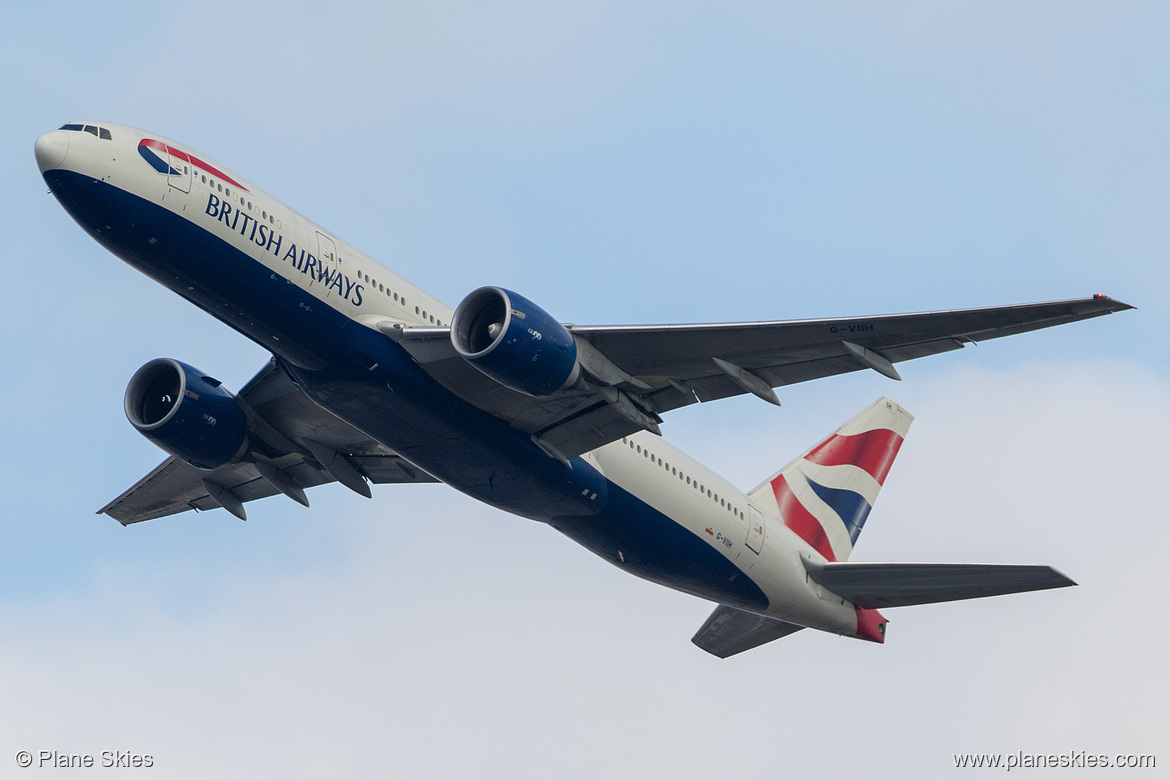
x,y
310,298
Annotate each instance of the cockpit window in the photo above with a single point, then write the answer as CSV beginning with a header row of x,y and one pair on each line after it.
x,y
100,132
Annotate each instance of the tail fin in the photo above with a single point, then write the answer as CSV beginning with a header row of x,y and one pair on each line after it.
x,y
826,494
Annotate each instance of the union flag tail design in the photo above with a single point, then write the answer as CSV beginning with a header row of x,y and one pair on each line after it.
x,y
826,494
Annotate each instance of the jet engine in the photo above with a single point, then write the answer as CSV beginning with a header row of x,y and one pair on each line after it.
x,y
187,413
515,342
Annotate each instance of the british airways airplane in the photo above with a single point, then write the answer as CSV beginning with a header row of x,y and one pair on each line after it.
x,y
373,380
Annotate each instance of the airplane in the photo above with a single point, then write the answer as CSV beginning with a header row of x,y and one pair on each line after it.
x,y
372,380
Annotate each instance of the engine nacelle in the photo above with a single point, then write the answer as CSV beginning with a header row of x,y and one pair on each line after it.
x,y
515,342
187,413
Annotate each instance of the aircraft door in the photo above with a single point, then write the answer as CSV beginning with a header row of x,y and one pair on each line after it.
x,y
327,251
179,176
755,537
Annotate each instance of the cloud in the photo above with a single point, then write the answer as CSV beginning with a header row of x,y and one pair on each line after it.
x,y
447,639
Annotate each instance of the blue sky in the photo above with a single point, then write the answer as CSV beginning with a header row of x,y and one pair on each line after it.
x,y
617,163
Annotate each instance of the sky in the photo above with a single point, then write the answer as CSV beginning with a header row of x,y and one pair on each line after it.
x,y
631,162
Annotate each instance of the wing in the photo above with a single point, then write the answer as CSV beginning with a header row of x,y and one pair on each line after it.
x,y
637,373
876,585
294,444
729,631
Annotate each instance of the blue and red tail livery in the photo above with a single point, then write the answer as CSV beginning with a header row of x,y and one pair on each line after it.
x,y
825,495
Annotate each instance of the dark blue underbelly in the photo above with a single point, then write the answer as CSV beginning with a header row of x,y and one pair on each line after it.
x,y
371,382
203,268
643,541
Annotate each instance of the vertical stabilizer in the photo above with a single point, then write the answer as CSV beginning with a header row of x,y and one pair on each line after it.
x,y
826,494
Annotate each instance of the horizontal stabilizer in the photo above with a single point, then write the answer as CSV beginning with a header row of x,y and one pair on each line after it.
x,y
729,631
876,585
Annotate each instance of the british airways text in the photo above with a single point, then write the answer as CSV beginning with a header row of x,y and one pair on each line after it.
x,y
264,236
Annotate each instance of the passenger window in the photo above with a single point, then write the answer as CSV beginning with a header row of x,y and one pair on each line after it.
x,y
105,134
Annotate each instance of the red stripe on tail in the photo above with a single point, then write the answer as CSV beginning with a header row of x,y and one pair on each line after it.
x,y
873,451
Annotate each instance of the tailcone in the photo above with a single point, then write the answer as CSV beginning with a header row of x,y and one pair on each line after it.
x,y
871,625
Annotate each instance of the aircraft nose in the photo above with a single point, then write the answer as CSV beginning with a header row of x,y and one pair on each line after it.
x,y
51,149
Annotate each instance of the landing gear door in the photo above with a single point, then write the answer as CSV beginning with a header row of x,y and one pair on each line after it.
x,y
755,537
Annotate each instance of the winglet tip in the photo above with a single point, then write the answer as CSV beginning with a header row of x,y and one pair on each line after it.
x,y
1061,580
1116,304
